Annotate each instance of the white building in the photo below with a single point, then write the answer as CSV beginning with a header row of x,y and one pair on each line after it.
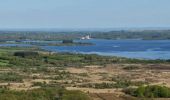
x,y
86,37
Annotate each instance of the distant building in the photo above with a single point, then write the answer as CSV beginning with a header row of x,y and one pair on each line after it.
x,y
86,37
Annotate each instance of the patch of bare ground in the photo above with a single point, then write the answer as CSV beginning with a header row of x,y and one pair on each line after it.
x,y
164,67
92,90
5,70
73,77
76,70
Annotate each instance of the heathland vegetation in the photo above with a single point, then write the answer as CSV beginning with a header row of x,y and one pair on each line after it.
x,y
153,91
34,58
33,74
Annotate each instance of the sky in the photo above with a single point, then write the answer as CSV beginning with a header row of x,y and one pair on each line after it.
x,y
84,13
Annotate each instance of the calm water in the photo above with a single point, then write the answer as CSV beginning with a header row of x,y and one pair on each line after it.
x,y
147,49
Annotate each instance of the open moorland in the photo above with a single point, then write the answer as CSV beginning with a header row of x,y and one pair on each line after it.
x,y
33,74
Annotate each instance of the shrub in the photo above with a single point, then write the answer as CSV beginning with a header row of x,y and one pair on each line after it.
x,y
154,91
75,95
132,67
25,53
10,77
43,94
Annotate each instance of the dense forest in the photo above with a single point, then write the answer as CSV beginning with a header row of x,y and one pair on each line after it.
x,y
44,35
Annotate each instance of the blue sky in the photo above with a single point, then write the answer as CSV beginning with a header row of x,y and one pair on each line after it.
x,y
84,13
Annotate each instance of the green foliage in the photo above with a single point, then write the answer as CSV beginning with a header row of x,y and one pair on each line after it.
x,y
42,84
42,94
3,61
150,91
75,95
25,53
7,59
131,67
122,84
10,77
118,84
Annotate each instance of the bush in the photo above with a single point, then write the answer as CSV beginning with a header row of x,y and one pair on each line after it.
x,y
132,67
43,94
150,91
75,95
25,53
10,77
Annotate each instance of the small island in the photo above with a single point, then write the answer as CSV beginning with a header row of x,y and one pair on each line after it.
x,y
72,43
62,43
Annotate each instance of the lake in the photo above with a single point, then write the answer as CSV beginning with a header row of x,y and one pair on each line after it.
x,y
143,49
